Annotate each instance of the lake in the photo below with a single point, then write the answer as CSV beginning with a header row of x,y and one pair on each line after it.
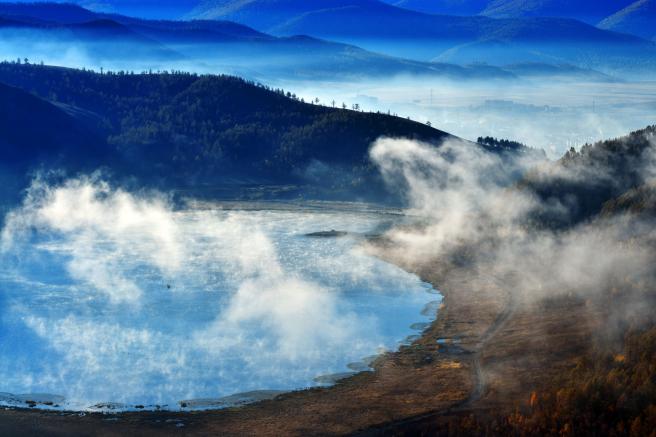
x,y
110,300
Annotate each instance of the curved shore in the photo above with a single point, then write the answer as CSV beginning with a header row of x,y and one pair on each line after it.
x,y
478,354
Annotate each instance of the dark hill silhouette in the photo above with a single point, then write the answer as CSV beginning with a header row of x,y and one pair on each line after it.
x,y
36,134
184,130
34,129
639,201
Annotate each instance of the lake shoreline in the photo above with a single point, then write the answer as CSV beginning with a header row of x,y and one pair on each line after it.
x,y
424,358
458,366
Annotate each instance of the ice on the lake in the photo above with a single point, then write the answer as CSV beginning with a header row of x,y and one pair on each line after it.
x,y
32,399
108,406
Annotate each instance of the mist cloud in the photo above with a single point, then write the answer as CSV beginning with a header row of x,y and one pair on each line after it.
x,y
131,300
88,213
470,205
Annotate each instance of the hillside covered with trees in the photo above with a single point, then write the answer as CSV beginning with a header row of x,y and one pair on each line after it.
x,y
586,181
180,130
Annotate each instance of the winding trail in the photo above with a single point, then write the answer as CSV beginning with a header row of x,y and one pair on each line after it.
x,y
490,332
478,375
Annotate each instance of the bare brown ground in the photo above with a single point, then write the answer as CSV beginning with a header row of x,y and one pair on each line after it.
x,y
507,347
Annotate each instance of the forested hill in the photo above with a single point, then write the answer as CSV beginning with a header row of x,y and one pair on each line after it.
x,y
609,176
185,130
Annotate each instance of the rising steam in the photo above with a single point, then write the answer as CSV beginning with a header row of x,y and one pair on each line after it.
x,y
110,295
470,204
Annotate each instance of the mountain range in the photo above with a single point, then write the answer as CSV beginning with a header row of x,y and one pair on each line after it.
x,y
383,27
277,12
63,33
70,35
588,11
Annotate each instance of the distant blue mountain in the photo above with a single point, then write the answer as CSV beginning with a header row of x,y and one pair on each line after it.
x,y
443,7
436,42
157,9
59,28
383,27
589,11
267,14
639,18
129,43
47,12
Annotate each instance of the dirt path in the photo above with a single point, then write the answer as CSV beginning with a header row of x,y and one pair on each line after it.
x,y
477,372
489,334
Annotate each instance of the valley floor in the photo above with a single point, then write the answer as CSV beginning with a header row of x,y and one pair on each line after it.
x,y
489,352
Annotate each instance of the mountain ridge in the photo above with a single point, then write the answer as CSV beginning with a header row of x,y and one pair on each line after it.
x,y
384,27
234,47
584,10
590,12
638,18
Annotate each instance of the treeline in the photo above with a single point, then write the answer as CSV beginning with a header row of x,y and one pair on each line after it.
x,y
501,143
584,181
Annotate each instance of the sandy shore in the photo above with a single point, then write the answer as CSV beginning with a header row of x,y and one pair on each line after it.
x,y
488,349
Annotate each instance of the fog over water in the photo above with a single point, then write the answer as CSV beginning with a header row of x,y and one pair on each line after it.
x,y
110,296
